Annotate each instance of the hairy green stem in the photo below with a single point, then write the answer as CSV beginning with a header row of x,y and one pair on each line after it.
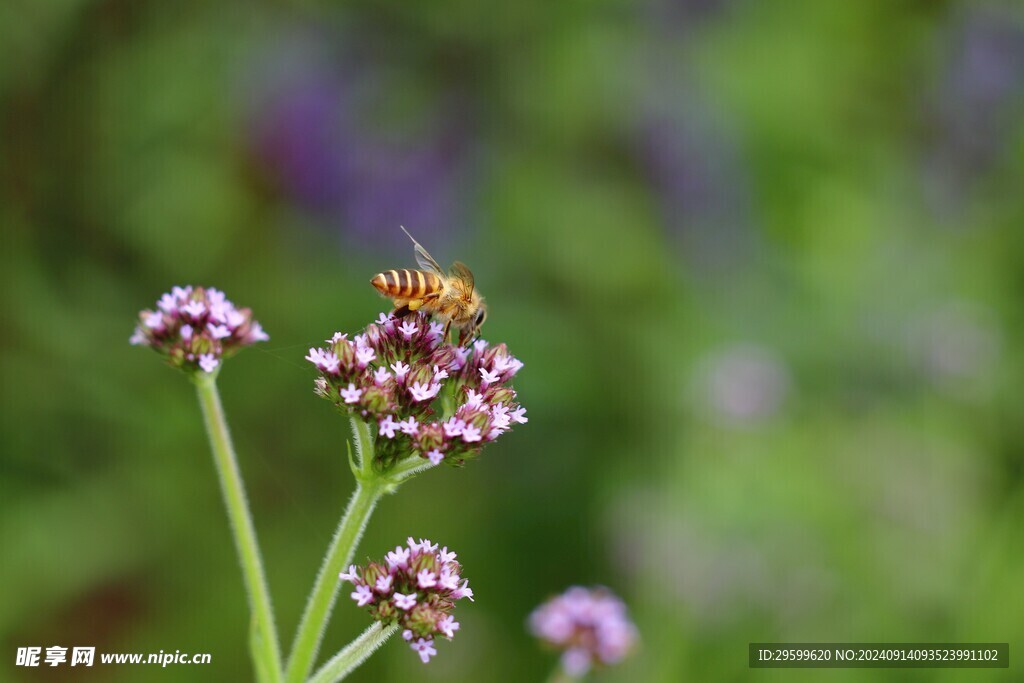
x,y
369,489
266,651
355,653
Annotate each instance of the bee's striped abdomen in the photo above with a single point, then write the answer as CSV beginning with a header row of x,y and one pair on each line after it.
x,y
406,284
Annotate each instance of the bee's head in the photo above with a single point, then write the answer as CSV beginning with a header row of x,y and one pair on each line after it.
x,y
472,329
481,316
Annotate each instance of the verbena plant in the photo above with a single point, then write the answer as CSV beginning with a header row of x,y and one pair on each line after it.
x,y
415,401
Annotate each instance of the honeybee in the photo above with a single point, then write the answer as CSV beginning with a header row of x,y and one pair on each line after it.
x,y
450,296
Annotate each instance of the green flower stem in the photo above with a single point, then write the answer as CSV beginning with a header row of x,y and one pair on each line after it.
x,y
266,651
409,467
369,488
354,654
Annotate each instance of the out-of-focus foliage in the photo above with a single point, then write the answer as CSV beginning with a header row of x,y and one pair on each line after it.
x,y
764,263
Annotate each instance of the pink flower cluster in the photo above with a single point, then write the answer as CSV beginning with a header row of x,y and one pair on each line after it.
x,y
590,625
416,586
423,394
196,327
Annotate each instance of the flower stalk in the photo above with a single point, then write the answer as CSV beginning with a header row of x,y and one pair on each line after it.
x,y
264,645
369,489
354,654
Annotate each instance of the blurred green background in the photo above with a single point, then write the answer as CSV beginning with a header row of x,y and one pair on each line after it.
x,y
764,263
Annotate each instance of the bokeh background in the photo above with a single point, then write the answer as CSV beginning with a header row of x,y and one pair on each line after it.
x,y
764,263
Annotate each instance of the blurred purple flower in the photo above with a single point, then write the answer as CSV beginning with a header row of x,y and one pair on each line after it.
x,y
956,345
979,96
313,128
589,625
697,179
742,384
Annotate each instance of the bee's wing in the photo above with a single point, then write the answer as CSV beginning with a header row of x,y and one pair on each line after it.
x,y
423,259
460,271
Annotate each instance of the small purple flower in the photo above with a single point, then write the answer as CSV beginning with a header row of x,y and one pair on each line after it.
x,y
195,328
489,377
364,355
590,626
435,457
421,391
399,557
448,580
423,546
463,591
256,334
426,579
218,331
471,434
454,427
351,394
409,426
325,361
425,648
362,595
194,309
400,369
448,626
388,427
408,329
383,585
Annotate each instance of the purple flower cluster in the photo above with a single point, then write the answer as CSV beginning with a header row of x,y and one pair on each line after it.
x,y
589,624
423,394
416,586
195,327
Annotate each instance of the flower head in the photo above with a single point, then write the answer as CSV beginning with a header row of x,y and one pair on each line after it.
x,y
589,625
425,396
194,328
412,587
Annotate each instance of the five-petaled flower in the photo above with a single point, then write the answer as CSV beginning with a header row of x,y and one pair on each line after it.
x,y
416,587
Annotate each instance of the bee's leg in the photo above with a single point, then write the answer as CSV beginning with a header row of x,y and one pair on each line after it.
x,y
447,327
402,311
